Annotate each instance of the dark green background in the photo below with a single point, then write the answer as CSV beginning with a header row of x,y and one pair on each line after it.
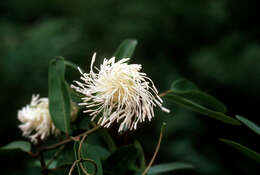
x,y
214,43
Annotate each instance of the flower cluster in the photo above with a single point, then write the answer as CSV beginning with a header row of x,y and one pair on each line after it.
x,y
119,92
36,120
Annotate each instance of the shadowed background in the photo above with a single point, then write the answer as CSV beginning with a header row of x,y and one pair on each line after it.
x,y
214,43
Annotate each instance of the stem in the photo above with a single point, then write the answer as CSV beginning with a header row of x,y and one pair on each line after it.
x,y
39,153
165,93
69,139
70,64
80,159
156,150
63,142
73,166
43,165
80,145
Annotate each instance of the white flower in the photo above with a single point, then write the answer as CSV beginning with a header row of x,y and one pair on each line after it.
x,y
119,92
36,120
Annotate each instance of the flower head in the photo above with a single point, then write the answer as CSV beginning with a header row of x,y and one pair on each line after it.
x,y
36,120
119,92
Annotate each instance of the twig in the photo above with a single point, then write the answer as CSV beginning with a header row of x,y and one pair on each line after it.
x,y
43,165
80,159
73,166
165,93
80,145
40,151
69,139
156,150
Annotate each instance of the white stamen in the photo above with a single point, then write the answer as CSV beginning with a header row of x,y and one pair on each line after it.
x,y
120,91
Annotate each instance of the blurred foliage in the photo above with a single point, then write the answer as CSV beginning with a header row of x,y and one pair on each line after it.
x,y
213,43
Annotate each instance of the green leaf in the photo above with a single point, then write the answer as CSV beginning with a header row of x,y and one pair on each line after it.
x,y
183,85
249,124
90,151
248,152
59,97
101,152
190,91
122,160
37,163
125,49
108,139
166,167
95,153
200,109
18,145
141,158
66,157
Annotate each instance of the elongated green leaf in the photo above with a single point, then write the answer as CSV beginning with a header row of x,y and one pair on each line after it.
x,y
200,109
166,167
18,145
122,160
59,97
204,100
183,85
249,124
125,49
248,152
190,91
